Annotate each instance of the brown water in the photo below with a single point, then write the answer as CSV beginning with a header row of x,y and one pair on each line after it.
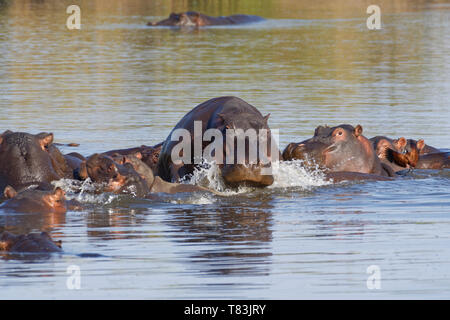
x,y
117,83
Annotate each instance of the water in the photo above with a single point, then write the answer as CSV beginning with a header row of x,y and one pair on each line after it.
x,y
116,83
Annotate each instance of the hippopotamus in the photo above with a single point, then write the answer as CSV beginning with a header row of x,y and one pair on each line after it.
x,y
117,178
437,160
342,148
398,153
28,159
223,114
149,155
34,201
155,184
29,243
409,153
196,19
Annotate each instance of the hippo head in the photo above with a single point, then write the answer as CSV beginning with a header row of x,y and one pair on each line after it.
x,y
103,169
243,164
340,148
25,160
32,242
33,200
401,152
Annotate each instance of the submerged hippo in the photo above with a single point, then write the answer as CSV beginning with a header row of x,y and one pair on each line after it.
x,y
223,115
34,201
29,243
27,159
338,149
196,19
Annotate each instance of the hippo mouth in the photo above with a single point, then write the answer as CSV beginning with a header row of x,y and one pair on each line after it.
x,y
241,175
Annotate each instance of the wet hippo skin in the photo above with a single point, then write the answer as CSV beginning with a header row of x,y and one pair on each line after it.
x,y
34,201
29,243
27,159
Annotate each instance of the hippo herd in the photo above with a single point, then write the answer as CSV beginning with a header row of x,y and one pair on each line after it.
x,y
29,163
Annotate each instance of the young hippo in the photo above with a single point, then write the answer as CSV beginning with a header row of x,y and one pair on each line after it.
x,y
117,178
34,201
155,184
338,149
399,154
149,155
196,19
27,159
29,243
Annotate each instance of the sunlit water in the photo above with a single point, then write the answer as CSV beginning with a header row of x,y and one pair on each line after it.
x,y
116,83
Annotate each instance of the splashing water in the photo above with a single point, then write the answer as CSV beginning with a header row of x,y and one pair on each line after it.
x,y
84,191
295,174
288,174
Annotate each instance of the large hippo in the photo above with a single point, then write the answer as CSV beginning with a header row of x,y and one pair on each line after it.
x,y
196,19
225,115
27,159
29,243
341,148
34,201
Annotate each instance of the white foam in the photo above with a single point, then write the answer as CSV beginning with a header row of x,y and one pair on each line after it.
x,y
84,191
288,174
295,174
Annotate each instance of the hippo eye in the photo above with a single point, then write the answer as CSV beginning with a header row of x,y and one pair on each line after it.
x,y
340,133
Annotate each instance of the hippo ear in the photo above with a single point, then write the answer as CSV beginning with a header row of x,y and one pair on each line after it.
x,y
287,153
400,143
5,245
59,193
420,144
4,134
82,171
358,130
45,139
266,118
138,155
9,192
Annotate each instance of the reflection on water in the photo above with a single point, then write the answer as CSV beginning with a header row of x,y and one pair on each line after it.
x,y
116,83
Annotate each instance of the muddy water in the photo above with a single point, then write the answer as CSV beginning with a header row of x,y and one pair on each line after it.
x,y
116,83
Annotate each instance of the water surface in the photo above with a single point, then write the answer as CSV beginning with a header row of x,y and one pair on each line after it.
x,y
116,83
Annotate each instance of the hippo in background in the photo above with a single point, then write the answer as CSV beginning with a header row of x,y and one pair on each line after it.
x,y
222,114
404,153
148,154
34,201
342,148
196,19
30,159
